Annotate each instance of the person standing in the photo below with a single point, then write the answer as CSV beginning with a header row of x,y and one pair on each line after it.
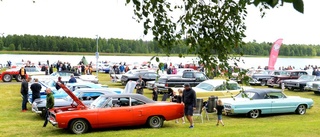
x,y
49,105
140,85
24,93
179,100
219,109
189,100
22,73
35,88
51,69
155,93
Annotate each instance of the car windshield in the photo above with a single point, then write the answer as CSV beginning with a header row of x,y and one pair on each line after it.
x,y
306,77
205,86
99,102
245,95
280,73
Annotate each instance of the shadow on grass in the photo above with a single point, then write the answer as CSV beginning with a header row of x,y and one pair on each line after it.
x,y
245,116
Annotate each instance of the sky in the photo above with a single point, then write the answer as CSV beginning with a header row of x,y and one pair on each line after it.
x,y
112,19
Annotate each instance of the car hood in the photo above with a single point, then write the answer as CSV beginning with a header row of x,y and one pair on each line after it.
x,y
88,77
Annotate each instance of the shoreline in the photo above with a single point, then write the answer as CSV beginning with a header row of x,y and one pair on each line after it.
x,y
128,54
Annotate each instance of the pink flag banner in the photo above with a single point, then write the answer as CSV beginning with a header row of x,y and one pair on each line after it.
x,y
274,52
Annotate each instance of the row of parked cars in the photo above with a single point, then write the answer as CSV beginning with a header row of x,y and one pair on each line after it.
x,y
289,79
88,105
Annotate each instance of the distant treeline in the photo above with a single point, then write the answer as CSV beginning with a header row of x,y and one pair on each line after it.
x,y
72,44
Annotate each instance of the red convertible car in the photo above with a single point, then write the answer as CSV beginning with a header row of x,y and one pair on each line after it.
x,y
114,111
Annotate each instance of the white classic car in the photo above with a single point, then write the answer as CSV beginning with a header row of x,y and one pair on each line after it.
x,y
66,75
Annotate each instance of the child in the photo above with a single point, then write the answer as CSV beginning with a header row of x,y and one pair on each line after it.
x,y
179,100
219,109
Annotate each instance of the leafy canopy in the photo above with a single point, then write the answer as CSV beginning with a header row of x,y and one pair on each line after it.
x,y
211,29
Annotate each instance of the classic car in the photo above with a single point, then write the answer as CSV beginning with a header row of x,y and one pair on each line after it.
x,y
146,76
10,74
66,75
72,86
316,87
85,95
261,77
114,110
277,80
170,81
220,88
255,102
299,83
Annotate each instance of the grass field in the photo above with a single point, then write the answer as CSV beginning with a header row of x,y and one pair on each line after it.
x,y
15,123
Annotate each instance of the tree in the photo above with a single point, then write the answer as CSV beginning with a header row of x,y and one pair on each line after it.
x,y
211,29
11,47
1,45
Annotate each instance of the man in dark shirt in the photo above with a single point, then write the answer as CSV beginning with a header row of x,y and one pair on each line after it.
x,y
72,79
35,88
24,93
189,100
49,105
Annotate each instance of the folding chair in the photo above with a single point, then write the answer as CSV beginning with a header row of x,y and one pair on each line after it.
x,y
199,108
209,107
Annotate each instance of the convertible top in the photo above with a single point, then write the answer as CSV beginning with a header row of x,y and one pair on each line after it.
x,y
261,92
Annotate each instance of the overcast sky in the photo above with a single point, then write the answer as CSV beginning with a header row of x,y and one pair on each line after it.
x,y
111,19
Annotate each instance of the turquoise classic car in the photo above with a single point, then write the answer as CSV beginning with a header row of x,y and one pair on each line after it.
x,y
255,102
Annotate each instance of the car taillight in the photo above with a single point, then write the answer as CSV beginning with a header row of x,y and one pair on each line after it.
x,y
166,85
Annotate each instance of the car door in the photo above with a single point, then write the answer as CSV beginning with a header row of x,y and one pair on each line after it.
x,y
140,111
116,113
280,104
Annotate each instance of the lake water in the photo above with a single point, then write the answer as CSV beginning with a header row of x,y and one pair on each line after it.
x,y
74,59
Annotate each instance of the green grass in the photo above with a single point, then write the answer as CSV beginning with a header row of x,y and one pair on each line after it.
x,y
15,123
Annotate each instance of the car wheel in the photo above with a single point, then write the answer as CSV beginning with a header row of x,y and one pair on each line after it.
x,y
290,88
7,78
301,109
254,113
79,126
263,83
155,122
18,78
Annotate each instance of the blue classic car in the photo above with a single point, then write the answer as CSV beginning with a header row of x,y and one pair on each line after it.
x,y
72,86
255,102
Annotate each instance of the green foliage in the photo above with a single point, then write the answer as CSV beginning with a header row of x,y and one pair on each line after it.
x,y
1,44
11,47
212,30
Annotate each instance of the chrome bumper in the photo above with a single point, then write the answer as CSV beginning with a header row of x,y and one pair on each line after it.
x,y
54,123
36,111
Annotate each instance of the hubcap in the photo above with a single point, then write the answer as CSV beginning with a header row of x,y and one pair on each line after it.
x,y
155,121
79,126
254,113
6,77
302,109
